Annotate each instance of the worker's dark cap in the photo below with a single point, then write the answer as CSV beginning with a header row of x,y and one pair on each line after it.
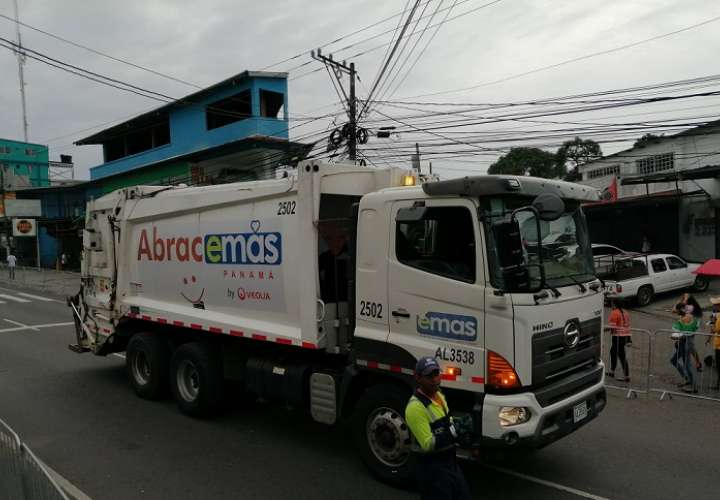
x,y
426,365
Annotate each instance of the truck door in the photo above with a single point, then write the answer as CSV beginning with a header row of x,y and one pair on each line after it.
x,y
680,274
435,296
663,278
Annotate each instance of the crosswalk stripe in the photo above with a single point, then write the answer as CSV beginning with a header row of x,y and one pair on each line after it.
x,y
37,297
10,297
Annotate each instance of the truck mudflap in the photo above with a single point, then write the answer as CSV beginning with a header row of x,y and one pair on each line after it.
x,y
545,425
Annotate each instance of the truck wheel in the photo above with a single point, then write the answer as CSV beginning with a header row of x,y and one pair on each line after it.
x,y
701,284
147,360
196,379
382,437
644,295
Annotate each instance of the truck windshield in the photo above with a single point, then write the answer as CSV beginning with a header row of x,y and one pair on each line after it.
x,y
562,247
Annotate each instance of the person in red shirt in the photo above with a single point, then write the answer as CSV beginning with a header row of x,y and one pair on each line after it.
x,y
619,322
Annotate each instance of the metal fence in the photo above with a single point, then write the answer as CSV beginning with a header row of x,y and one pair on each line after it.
x,y
637,349
664,362
22,475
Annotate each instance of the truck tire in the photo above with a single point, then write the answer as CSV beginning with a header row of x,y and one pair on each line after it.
x,y
196,379
701,284
382,437
644,295
147,361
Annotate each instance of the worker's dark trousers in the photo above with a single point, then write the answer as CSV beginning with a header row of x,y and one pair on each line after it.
x,y
440,477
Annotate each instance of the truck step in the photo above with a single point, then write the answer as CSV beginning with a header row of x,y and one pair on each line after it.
x,y
78,348
323,406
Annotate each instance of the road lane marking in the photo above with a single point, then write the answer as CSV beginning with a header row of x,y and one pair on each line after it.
x,y
119,355
38,297
66,485
10,297
544,482
35,327
16,323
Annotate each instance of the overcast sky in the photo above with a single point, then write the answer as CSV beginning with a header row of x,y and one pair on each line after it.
x,y
205,42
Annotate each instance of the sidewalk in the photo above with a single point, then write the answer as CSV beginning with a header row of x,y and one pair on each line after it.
x,y
60,283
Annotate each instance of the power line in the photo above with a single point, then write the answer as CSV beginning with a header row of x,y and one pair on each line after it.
x,y
575,59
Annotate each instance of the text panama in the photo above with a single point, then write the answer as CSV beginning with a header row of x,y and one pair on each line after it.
x,y
254,248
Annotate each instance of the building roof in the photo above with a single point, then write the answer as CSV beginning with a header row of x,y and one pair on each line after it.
x,y
150,116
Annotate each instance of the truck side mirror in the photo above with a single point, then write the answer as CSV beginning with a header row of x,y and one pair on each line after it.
x,y
548,206
509,243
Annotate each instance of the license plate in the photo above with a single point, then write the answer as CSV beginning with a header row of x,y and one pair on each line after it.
x,y
579,412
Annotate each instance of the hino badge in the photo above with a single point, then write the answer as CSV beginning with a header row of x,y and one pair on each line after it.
x,y
322,289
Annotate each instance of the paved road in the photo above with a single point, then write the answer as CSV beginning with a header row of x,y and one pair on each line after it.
x,y
80,416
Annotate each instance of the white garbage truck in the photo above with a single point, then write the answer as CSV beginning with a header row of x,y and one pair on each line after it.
x,y
321,290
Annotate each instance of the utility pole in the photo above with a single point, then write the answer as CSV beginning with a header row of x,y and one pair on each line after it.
x,y
340,68
21,71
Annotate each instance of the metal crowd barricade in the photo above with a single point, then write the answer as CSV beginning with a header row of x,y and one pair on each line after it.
x,y
22,476
676,358
638,354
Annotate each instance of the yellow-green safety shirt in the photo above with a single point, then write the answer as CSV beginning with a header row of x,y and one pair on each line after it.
x,y
421,413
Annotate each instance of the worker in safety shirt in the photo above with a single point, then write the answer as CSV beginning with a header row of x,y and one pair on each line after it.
x,y
435,436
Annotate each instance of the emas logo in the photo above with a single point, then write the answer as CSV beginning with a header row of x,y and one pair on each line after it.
x,y
448,326
255,247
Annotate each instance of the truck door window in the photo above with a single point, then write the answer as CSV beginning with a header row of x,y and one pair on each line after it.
x,y
675,263
442,242
658,265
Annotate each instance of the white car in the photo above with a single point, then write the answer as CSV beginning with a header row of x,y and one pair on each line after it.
x,y
641,277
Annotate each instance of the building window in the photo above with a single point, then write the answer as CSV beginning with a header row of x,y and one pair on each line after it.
x,y
30,152
143,138
229,110
604,171
5,150
655,163
271,103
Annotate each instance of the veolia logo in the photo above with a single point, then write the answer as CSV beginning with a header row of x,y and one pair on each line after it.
x,y
449,326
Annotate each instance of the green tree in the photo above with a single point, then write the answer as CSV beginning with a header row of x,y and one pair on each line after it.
x,y
526,161
647,140
575,153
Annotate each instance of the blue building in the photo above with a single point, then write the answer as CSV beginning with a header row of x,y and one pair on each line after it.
x,y
220,133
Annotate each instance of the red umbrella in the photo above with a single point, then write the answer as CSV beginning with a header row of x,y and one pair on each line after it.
x,y
709,268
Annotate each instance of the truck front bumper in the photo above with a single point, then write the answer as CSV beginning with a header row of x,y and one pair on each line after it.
x,y
546,424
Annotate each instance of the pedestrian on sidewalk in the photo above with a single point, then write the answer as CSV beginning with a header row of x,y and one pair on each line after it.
x,y
684,333
715,339
11,262
619,322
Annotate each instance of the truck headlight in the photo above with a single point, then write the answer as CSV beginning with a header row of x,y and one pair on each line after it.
x,y
513,415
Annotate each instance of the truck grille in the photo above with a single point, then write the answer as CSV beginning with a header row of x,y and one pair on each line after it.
x,y
554,361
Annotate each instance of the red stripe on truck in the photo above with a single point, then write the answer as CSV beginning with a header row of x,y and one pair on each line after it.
x,y
445,376
283,341
372,364
195,326
257,336
162,320
178,323
215,329
396,368
237,333
478,380
309,345
146,318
